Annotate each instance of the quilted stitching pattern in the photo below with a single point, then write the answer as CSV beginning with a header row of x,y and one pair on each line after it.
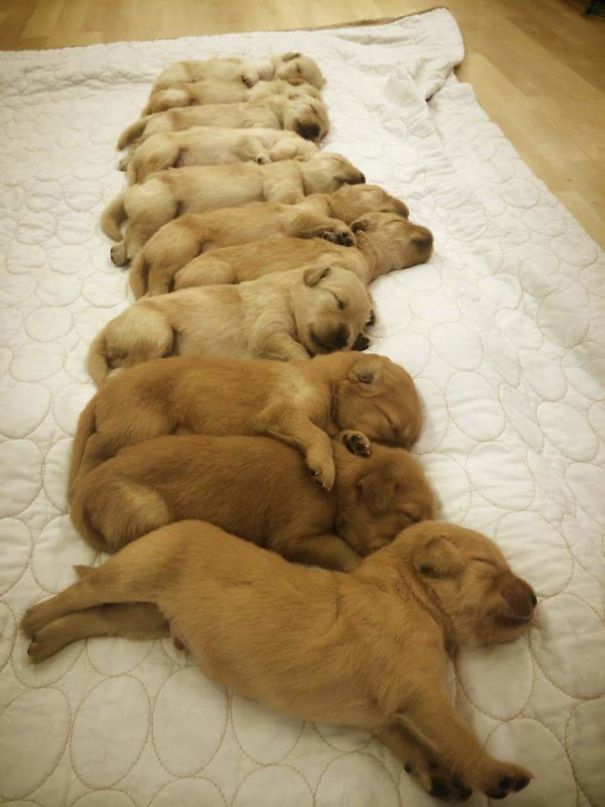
x,y
504,332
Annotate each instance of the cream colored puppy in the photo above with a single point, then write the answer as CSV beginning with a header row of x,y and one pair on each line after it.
x,y
291,66
294,315
219,91
304,115
196,189
205,145
385,242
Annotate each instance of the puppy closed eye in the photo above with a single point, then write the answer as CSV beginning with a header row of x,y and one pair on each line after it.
x,y
340,303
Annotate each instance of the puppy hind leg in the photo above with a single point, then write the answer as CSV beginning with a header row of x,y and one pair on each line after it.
x,y
139,334
128,620
129,511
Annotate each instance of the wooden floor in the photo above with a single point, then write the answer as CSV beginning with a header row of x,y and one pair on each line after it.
x,y
538,68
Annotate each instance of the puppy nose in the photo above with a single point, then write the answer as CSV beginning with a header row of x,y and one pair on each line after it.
x,y
310,131
361,343
339,337
423,237
533,599
361,180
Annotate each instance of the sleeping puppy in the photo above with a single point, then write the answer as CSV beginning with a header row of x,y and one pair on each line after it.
x,y
219,91
292,315
291,66
195,189
301,403
366,649
305,115
180,241
384,242
205,145
189,476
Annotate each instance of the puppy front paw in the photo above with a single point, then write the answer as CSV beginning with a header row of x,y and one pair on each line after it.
x,y
33,620
357,443
504,778
118,254
436,779
323,470
339,235
249,79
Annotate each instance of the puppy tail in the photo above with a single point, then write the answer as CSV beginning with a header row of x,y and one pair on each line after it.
x,y
139,275
86,428
112,217
98,364
135,130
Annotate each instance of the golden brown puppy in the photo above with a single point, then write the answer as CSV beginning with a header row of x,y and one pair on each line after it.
x,y
299,403
292,315
291,66
384,242
196,189
188,476
305,115
204,145
219,91
365,649
320,215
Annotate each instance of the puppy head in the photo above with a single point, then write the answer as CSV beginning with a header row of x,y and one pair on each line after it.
x,y
307,117
296,68
378,496
377,397
353,202
471,579
402,243
331,307
327,172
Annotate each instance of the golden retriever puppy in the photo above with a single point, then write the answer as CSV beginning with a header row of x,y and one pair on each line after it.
x,y
218,91
292,315
195,189
291,66
205,145
301,403
189,476
180,241
305,115
367,648
384,242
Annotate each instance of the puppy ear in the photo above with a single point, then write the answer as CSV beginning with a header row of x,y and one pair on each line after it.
x,y
518,596
438,557
291,54
314,274
367,370
361,225
377,492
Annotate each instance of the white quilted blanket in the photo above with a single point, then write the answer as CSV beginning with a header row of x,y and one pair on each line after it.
x,y
504,331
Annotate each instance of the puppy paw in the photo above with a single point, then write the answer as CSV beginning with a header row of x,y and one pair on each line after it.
x,y
437,780
504,778
248,79
323,471
33,620
118,254
43,645
340,235
357,443
263,159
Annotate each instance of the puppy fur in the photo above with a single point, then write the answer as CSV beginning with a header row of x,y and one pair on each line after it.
x,y
195,189
189,476
204,145
219,91
304,114
291,66
293,315
365,649
300,403
384,242
180,241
